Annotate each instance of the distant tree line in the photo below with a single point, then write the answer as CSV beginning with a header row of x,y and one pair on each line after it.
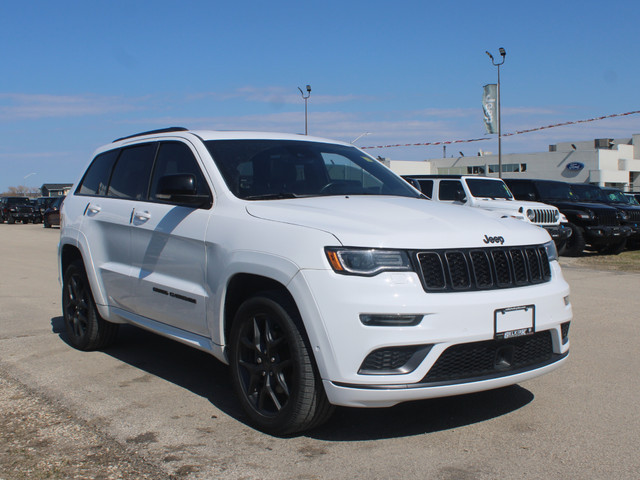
x,y
22,191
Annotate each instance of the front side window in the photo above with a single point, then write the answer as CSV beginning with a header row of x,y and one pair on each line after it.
x,y
274,169
176,158
131,174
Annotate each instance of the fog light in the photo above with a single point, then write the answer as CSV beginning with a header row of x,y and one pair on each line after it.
x,y
390,320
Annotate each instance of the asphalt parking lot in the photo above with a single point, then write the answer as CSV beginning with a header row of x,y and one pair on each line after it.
x,y
151,408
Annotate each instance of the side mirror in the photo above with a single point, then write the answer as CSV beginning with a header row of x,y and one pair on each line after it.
x,y
460,196
181,189
531,196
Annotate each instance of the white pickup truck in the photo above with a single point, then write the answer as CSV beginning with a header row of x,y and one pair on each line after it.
x,y
494,195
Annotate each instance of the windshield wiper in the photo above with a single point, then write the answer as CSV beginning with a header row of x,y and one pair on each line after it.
x,y
276,196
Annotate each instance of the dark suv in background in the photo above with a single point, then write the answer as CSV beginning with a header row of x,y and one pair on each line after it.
x,y
631,209
594,224
15,209
40,205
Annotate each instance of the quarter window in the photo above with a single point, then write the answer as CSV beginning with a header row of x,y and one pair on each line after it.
x,y
96,180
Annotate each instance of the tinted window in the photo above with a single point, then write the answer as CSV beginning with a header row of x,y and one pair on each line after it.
x,y
426,186
482,188
176,158
131,174
96,180
449,190
522,190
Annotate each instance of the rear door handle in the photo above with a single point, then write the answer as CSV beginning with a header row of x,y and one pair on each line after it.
x,y
92,209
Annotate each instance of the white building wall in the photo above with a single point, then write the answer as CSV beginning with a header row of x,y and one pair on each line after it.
x,y
618,166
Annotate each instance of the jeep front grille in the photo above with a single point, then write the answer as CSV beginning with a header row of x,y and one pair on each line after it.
x,y
545,216
607,218
483,269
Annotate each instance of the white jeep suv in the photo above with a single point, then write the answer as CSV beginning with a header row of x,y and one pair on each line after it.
x,y
317,274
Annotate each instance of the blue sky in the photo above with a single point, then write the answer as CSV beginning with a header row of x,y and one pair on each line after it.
x,y
78,74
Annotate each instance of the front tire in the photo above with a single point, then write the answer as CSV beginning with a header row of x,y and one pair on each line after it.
x,y
575,244
86,330
272,369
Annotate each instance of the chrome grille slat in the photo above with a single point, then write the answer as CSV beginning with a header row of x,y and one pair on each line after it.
x,y
483,269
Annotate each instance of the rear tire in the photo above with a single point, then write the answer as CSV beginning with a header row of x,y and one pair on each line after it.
x,y
86,330
272,369
575,244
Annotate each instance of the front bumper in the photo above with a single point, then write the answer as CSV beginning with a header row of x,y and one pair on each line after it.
x,y
341,342
605,233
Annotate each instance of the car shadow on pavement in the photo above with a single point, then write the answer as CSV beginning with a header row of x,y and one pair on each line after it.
x,y
202,374
420,417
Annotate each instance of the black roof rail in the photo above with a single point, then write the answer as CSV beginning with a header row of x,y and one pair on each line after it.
x,y
150,132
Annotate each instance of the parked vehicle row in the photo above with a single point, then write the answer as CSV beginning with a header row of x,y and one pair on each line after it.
x,y
577,216
44,210
597,223
493,195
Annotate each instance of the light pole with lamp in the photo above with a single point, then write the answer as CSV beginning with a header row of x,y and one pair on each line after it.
x,y
305,106
503,53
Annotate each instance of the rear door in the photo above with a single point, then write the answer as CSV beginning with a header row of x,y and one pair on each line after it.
x,y
168,249
112,185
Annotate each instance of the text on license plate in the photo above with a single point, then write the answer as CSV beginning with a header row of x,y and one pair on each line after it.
x,y
514,321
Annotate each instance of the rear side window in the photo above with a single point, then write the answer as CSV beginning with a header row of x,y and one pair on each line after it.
x,y
176,158
131,174
96,180
449,188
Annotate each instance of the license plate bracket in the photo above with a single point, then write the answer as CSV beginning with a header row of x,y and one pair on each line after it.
x,y
513,322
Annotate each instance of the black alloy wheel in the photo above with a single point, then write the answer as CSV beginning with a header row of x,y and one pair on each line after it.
x,y
272,370
86,330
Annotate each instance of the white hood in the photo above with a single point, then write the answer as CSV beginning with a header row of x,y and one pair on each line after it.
x,y
398,222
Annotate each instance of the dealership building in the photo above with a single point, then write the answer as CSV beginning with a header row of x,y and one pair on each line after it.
x,y
604,161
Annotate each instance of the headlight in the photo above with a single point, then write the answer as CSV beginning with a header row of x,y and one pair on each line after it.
x,y
556,215
623,215
367,261
531,215
550,248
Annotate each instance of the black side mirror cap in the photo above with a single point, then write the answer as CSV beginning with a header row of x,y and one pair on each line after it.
x,y
181,189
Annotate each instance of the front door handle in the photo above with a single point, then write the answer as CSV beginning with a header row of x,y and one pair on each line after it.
x,y
142,216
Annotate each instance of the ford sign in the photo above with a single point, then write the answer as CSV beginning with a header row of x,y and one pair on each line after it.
x,y
575,166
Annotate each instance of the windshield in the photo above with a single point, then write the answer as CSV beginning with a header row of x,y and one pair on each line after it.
x,y
632,200
17,200
555,191
276,169
481,187
589,193
616,196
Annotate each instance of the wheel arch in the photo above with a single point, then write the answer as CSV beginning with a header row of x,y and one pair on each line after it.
x,y
243,286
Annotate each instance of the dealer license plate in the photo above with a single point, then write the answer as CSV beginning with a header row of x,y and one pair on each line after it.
x,y
514,321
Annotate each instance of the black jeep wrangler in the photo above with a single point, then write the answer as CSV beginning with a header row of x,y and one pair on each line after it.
x,y
594,224
15,209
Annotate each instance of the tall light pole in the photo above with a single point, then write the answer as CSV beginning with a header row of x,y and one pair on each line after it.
x,y
503,53
306,131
